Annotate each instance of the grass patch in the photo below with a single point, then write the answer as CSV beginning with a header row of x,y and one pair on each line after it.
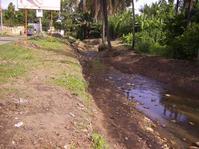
x,y
98,141
8,71
14,52
49,43
14,60
76,84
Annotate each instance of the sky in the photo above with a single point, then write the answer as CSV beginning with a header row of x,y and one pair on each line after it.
x,y
138,4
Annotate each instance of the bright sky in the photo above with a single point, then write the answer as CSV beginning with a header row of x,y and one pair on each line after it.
x,y
138,4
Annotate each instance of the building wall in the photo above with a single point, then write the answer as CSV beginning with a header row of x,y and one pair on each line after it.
x,y
13,30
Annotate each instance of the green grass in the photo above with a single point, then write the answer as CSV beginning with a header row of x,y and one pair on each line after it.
x,y
49,43
98,141
73,82
14,52
8,71
14,61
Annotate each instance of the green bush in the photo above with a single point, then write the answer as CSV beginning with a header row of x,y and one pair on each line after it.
x,y
99,142
127,38
120,24
186,46
145,44
95,30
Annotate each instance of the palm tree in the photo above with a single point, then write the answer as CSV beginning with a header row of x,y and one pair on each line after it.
x,y
105,36
133,12
113,6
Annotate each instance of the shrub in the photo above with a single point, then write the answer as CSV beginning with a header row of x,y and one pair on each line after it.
x,y
127,38
186,46
99,142
120,24
145,44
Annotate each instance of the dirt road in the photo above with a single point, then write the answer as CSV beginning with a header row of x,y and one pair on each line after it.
x,y
8,39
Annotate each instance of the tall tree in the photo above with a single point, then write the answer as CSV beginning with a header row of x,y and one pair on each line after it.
x,y
133,12
106,36
10,14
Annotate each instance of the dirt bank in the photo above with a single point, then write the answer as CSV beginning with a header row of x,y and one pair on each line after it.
x,y
36,112
121,119
179,74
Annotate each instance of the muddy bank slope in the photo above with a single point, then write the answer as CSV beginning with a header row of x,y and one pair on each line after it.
x,y
178,74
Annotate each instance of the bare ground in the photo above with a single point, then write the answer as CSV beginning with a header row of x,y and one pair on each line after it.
x,y
50,116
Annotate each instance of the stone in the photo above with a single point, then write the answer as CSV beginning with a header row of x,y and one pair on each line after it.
x,y
197,144
149,129
71,114
167,95
110,78
13,142
18,125
173,121
193,147
191,123
129,84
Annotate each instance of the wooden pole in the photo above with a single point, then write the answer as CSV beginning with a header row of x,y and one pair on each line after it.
x,y
51,21
40,25
1,14
26,22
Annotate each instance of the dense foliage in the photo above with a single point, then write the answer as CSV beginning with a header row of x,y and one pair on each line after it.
x,y
161,31
163,28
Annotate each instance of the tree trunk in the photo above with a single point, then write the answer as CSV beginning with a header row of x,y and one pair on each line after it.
x,y
189,10
106,36
198,55
177,6
133,32
84,6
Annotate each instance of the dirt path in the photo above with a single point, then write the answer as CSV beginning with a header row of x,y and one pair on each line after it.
x,y
39,114
5,39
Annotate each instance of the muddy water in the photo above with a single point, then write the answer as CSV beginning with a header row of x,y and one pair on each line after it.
x,y
174,111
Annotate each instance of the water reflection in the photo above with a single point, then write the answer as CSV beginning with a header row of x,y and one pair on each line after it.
x,y
154,101
172,113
